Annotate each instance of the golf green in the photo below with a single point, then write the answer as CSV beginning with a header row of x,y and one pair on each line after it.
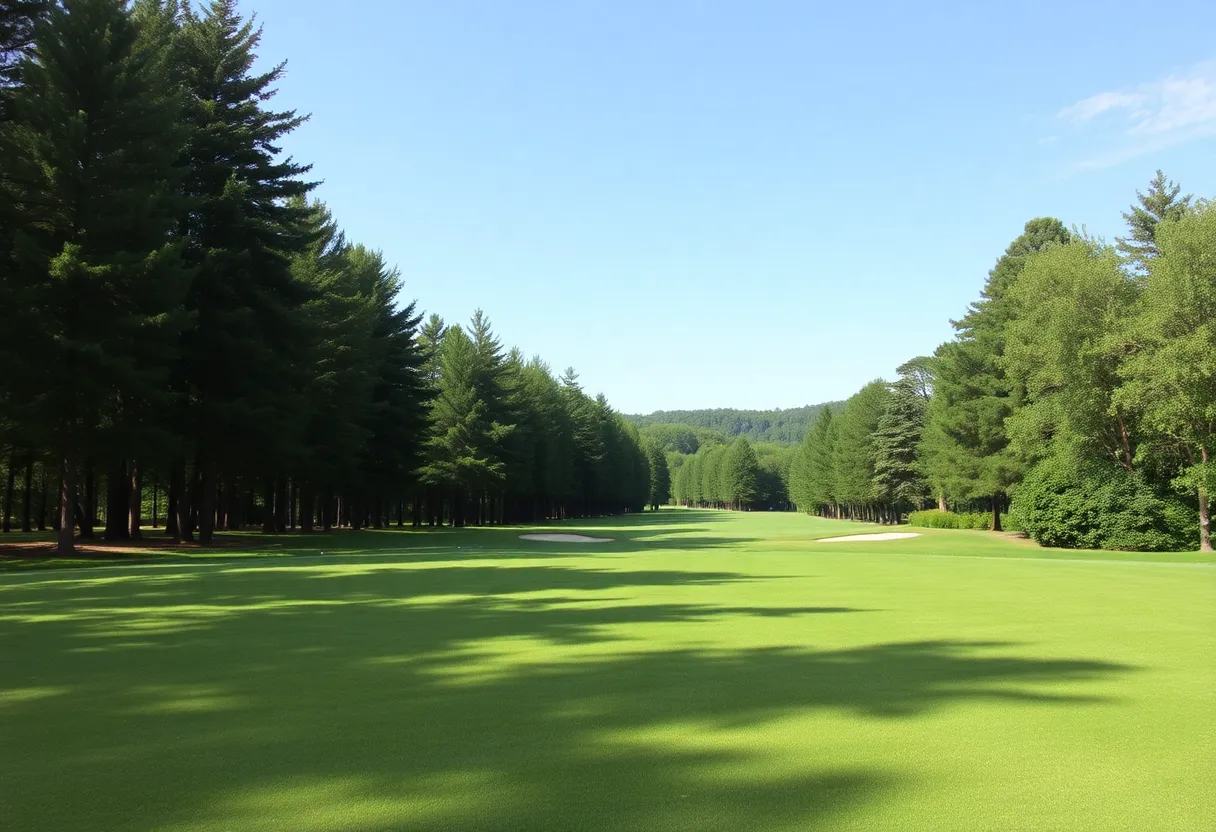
x,y
702,671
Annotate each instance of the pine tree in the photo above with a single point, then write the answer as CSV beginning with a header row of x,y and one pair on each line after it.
x,y
463,452
740,474
1160,203
94,138
965,441
896,440
588,447
337,381
397,415
246,222
18,20
660,477
854,446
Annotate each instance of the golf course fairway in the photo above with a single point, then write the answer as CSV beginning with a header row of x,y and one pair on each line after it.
x,y
701,670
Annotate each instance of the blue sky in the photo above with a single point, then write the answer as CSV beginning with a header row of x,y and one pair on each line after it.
x,y
732,204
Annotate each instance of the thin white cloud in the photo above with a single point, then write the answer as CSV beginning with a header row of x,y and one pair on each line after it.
x,y
1174,110
1089,108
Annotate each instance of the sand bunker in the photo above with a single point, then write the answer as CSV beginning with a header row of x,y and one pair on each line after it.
x,y
565,538
883,536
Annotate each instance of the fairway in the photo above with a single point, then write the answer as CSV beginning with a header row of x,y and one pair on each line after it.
x,y
701,671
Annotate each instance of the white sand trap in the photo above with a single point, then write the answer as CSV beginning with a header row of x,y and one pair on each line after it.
x,y
565,538
883,536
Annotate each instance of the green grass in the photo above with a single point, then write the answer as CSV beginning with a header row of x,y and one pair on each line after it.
x,y
707,671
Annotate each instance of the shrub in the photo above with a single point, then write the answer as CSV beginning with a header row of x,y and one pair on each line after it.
x,y
1099,505
937,519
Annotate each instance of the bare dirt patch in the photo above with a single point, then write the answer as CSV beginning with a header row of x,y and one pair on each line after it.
x,y
882,536
565,538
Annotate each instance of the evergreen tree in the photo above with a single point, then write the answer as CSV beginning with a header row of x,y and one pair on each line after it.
x,y
463,452
94,138
397,417
18,20
337,384
965,440
1160,203
854,447
660,477
246,222
896,440
711,476
740,474
772,492
815,482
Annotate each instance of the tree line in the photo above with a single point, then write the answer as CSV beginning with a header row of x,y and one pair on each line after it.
x,y
1079,394
776,426
182,319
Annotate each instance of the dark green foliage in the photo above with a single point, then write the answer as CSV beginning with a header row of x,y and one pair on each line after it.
x,y
682,438
93,142
812,475
896,441
738,475
18,19
660,476
465,454
787,426
966,447
1091,504
772,492
854,446
1161,203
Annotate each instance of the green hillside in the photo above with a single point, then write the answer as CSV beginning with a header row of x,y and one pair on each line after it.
x,y
785,426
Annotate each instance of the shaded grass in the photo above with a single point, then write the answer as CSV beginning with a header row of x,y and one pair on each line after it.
x,y
704,671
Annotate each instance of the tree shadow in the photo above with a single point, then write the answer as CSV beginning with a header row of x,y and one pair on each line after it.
x,y
485,696
664,530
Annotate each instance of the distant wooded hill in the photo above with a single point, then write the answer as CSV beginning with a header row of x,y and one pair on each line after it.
x,y
784,426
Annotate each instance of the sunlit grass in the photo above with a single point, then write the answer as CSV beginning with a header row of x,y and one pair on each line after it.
x,y
705,671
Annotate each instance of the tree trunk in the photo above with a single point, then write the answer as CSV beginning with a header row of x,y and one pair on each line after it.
x,y
307,513
206,511
155,503
1205,514
8,491
27,494
42,499
136,503
171,527
118,501
996,513
181,508
292,502
67,502
90,500
941,502
268,511
280,504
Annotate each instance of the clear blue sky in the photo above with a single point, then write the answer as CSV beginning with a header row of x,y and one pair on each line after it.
x,y
736,204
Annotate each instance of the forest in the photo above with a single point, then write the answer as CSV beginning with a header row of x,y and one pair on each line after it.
x,y
188,337
779,426
190,340
1078,394
1076,402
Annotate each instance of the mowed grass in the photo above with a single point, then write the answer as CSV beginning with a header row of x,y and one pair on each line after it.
x,y
706,671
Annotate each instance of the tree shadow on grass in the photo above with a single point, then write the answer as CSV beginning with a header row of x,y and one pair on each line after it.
x,y
658,531
453,697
